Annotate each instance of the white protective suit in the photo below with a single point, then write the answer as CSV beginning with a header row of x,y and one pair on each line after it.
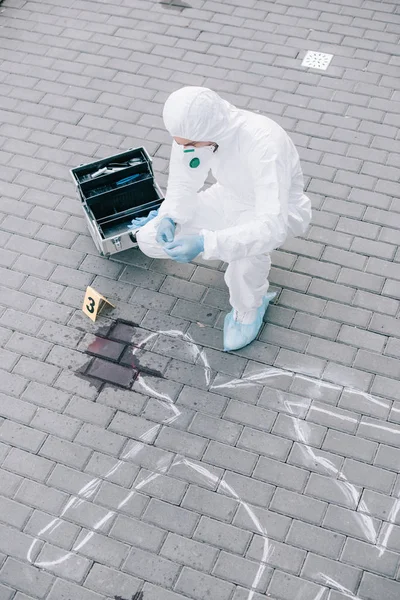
x,y
257,202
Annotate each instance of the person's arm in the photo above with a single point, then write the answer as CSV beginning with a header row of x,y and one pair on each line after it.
x,y
268,229
183,184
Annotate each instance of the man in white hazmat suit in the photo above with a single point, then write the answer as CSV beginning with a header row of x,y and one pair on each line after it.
x,y
257,202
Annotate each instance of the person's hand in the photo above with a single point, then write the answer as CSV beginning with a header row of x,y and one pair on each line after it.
x,y
165,231
140,221
185,248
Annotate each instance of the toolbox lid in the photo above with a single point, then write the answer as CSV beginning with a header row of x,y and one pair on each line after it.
x,y
126,163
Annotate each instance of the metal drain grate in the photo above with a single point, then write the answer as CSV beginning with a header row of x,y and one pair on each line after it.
x,y
317,60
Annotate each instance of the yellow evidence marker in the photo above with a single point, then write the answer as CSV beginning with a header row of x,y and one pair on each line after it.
x,y
93,303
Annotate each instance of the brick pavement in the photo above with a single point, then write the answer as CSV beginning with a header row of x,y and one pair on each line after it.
x,y
275,469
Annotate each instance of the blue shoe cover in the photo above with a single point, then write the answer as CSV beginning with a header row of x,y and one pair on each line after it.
x,y
237,335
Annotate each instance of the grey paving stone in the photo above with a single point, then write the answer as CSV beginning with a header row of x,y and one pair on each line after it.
x,y
371,477
171,518
200,585
222,535
98,439
284,337
242,571
75,567
15,544
68,591
150,567
134,427
281,401
344,493
373,586
161,412
264,443
299,363
21,436
280,474
352,524
6,592
196,472
276,554
100,548
333,417
28,465
348,377
315,539
147,456
315,325
163,487
13,384
119,499
138,534
318,569
182,289
209,337
119,472
348,314
369,558
227,457
197,555
124,400
18,410
62,451
246,414
296,505
373,362
181,442
329,350
14,513
379,431
36,370
105,580
383,386
223,384
387,457
60,425
24,577
246,489
284,586
365,403
209,503
54,530
346,445
9,483
299,430
309,388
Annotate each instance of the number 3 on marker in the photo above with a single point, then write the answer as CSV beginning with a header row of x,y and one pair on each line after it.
x,y
90,306
93,303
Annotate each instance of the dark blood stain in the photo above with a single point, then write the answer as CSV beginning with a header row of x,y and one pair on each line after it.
x,y
175,4
106,348
114,358
137,596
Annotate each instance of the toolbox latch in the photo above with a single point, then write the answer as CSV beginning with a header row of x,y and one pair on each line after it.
x,y
117,243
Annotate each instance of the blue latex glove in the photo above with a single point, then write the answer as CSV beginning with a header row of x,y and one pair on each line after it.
x,y
185,248
165,231
140,221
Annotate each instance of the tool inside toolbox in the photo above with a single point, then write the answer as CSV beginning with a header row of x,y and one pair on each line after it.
x,y
117,191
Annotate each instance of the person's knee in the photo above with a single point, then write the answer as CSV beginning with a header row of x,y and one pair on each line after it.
x,y
146,239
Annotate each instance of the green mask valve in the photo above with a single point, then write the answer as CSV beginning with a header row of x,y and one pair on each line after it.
x,y
194,163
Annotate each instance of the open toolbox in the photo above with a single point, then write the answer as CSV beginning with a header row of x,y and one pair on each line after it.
x,y
113,191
